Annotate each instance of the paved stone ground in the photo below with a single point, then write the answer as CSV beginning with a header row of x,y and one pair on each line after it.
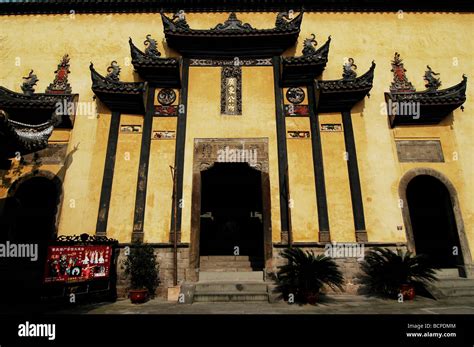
x,y
335,304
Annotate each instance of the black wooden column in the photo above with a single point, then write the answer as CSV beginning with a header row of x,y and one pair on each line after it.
x,y
354,180
179,151
282,156
140,200
107,179
318,166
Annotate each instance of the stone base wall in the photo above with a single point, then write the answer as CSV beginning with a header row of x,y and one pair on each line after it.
x,y
164,257
350,267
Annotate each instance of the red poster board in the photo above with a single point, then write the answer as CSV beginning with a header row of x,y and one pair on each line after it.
x,y
71,264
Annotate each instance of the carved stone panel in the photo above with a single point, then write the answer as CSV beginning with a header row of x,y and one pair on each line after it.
x,y
429,151
253,151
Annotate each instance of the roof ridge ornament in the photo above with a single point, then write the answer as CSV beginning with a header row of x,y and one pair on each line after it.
x,y
400,81
433,104
286,19
152,67
343,94
177,22
60,84
151,49
432,83
233,23
309,45
349,68
29,83
113,72
303,69
124,97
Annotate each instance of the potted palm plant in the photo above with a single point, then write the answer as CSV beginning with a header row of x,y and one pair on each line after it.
x,y
390,273
305,274
142,267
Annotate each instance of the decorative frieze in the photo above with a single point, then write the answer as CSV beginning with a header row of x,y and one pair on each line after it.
x,y
294,97
298,134
296,110
251,150
331,127
131,128
231,62
163,135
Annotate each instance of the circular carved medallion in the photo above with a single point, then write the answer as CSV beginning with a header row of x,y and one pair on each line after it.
x,y
295,95
166,96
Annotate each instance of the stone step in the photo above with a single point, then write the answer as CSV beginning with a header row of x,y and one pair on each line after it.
x,y
447,273
455,282
226,258
457,291
229,263
222,263
227,269
231,287
231,276
446,287
230,297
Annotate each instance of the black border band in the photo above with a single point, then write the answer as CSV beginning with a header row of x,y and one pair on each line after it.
x,y
354,180
140,200
318,165
107,179
179,150
282,155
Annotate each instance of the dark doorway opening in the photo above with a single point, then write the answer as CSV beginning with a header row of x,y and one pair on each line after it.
x,y
34,206
433,221
231,211
30,215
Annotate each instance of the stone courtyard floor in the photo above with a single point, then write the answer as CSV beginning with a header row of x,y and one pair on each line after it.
x,y
335,304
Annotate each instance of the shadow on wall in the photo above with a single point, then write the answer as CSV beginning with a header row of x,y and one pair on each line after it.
x,y
29,218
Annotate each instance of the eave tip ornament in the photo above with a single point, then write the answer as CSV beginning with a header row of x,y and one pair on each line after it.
x,y
349,70
309,45
29,83
151,49
113,72
431,82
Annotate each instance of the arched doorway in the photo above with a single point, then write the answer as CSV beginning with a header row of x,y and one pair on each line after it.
x,y
433,219
34,207
433,222
31,210
231,211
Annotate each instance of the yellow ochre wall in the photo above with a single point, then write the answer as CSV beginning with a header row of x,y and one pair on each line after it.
x,y
204,120
437,39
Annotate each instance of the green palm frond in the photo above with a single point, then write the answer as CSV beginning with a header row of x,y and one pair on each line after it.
x,y
384,270
306,272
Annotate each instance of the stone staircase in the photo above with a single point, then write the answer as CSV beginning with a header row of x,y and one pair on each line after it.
x,y
229,263
451,285
230,279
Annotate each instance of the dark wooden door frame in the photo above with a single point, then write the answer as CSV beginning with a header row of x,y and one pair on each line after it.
x,y
205,157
